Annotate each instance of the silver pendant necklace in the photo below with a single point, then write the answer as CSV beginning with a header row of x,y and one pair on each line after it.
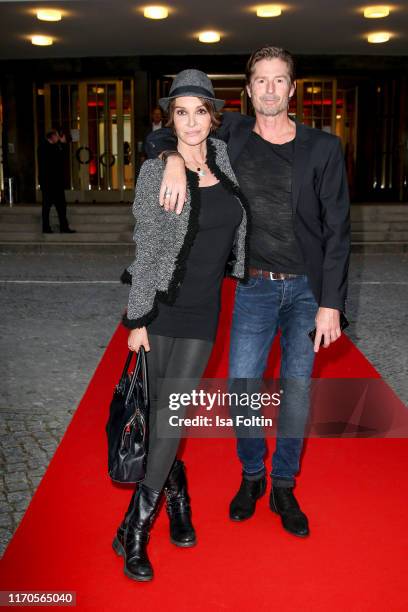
x,y
199,171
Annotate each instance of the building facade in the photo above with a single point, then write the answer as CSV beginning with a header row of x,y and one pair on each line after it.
x,y
103,105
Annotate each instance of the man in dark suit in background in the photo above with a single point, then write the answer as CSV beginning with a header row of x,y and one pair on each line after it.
x,y
51,158
294,180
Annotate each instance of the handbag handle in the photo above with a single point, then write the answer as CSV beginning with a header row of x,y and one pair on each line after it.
x,y
140,365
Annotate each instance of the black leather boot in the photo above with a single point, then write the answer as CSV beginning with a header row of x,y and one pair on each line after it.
x,y
178,507
118,543
136,536
243,505
283,502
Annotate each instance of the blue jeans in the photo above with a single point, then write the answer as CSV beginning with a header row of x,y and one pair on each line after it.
x,y
261,307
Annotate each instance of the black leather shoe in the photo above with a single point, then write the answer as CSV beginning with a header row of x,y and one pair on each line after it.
x,y
182,532
67,230
243,505
136,537
283,502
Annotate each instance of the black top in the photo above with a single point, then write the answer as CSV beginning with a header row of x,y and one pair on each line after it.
x,y
195,312
264,172
51,165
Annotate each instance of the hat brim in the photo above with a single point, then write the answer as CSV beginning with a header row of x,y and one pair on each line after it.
x,y
164,102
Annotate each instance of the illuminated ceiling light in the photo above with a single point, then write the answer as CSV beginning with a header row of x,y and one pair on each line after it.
x,y
379,37
156,12
269,10
376,12
209,37
313,90
42,41
49,15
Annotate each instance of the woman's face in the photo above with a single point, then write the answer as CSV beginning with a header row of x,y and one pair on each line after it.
x,y
192,121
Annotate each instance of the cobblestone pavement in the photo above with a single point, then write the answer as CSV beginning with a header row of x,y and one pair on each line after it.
x,y
53,333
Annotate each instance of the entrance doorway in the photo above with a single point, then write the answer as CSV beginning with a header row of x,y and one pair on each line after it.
x,y
97,118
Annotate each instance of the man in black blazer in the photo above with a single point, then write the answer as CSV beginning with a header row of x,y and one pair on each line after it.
x,y
294,180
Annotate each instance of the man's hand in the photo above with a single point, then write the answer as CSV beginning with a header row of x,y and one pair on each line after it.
x,y
174,184
327,326
137,338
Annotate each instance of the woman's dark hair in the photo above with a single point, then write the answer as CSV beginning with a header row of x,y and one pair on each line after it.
x,y
270,53
215,117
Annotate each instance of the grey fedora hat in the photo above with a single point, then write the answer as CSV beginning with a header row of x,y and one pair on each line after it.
x,y
191,83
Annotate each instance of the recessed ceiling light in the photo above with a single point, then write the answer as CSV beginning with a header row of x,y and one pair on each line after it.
x,y
42,41
376,12
379,37
209,37
156,12
49,15
269,10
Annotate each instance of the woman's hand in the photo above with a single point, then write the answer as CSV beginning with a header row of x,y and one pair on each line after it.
x,y
137,338
174,184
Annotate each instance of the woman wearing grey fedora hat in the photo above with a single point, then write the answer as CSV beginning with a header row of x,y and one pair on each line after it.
x,y
174,299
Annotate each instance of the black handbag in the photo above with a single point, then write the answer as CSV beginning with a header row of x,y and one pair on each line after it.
x,y
127,426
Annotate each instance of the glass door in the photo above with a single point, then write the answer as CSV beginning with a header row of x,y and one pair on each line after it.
x,y
96,118
330,106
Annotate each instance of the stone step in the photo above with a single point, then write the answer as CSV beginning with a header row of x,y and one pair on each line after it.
x,y
124,248
375,228
384,224
31,219
126,224
79,237
109,209
99,232
83,228
114,248
106,234
379,247
371,236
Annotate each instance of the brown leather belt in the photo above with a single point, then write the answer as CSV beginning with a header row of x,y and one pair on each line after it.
x,y
271,275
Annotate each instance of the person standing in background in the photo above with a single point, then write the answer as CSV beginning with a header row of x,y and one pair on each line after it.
x,y
157,119
51,154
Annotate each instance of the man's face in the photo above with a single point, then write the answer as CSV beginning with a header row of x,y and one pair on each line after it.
x,y
156,115
54,138
270,87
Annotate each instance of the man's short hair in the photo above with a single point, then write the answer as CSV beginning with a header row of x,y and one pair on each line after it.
x,y
270,53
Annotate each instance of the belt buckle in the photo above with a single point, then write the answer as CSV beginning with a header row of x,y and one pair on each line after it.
x,y
274,276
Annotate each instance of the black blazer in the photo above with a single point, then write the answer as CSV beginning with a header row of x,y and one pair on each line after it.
x,y
320,201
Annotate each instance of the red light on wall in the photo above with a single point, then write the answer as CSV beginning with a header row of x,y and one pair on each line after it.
x,y
325,102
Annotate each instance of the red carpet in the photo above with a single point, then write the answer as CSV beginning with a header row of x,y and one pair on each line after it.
x,y
354,491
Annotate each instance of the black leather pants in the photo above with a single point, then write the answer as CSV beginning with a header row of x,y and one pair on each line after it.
x,y
169,358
